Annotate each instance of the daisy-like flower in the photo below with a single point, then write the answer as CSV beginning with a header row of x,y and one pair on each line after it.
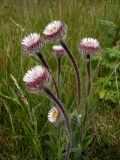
x,y
55,31
58,51
32,43
54,115
89,46
36,78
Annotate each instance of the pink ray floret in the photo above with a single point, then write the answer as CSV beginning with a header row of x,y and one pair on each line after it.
x,y
36,78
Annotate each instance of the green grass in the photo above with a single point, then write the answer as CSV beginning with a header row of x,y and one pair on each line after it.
x,y
24,129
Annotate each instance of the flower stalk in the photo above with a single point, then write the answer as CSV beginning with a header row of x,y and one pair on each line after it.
x,y
59,70
88,46
58,52
39,54
68,128
75,68
88,66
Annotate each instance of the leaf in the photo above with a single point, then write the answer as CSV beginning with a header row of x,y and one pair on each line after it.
x,y
77,151
9,98
107,23
87,141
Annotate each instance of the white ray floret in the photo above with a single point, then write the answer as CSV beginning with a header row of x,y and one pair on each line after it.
x,y
54,115
55,30
52,27
58,48
32,43
36,78
58,51
89,46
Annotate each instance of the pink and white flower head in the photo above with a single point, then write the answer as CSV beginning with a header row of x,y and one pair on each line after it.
x,y
36,78
55,31
55,115
89,46
58,51
31,44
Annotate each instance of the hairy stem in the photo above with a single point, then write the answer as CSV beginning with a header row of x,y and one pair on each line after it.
x,y
88,66
80,127
47,66
59,70
59,104
75,68
96,71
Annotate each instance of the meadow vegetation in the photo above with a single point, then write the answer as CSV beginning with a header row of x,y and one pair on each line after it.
x,y
25,132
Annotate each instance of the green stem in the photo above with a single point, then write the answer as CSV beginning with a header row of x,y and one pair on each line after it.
x,y
96,71
59,70
88,66
81,128
75,68
59,104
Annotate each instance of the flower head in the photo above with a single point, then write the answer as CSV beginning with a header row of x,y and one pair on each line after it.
x,y
36,78
89,46
55,31
54,115
58,51
32,43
